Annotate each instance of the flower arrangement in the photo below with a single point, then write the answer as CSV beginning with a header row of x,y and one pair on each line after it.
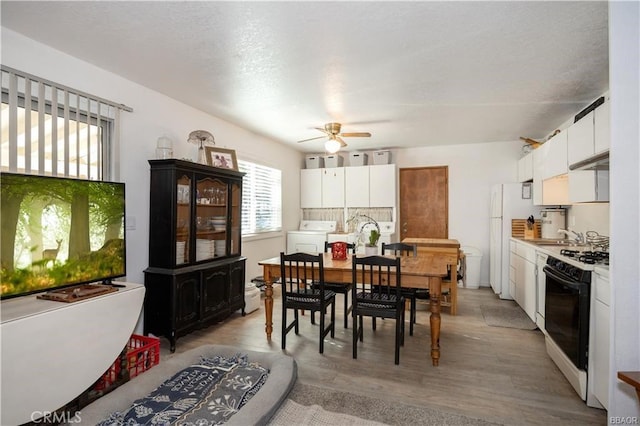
x,y
354,223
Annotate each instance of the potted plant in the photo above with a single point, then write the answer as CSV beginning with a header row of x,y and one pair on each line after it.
x,y
371,248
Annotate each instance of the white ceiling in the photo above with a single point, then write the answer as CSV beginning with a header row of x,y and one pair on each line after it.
x,y
411,73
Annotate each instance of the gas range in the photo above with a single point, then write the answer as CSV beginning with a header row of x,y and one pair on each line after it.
x,y
584,258
588,257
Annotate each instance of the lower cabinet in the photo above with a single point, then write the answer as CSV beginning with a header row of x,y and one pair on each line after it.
x,y
523,277
599,345
179,301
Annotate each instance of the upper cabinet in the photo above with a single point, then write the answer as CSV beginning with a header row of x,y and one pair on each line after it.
x,y
359,186
590,135
356,186
311,188
525,168
382,185
556,161
602,128
581,139
321,188
539,158
333,187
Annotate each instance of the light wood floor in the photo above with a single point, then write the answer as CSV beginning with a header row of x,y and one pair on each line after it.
x,y
498,374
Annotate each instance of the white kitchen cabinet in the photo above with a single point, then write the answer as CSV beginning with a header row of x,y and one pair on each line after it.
x,y
581,139
590,135
539,158
311,188
588,186
541,285
599,356
333,187
556,161
525,168
356,186
382,185
523,263
602,128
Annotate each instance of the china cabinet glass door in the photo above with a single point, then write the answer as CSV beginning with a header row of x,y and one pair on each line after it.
x,y
236,218
211,218
183,219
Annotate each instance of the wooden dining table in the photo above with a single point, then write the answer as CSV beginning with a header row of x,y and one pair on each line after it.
x,y
423,272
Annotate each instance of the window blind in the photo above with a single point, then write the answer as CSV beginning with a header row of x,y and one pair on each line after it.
x,y
261,198
51,129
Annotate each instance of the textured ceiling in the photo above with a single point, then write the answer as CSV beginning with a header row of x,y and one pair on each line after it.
x,y
411,73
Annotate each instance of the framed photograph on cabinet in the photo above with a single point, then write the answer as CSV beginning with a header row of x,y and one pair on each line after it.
x,y
221,157
526,191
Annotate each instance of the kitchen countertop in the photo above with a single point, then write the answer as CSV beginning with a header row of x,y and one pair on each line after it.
x,y
554,251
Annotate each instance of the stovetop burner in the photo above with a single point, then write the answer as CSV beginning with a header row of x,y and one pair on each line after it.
x,y
588,257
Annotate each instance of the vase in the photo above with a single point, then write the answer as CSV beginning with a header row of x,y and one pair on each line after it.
x,y
370,250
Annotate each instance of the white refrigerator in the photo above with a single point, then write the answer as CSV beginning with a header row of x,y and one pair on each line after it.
x,y
506,204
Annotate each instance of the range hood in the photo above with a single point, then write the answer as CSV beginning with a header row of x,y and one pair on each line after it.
x,y
597,162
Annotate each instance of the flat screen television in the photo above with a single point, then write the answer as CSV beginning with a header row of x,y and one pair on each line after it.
x,y
58,232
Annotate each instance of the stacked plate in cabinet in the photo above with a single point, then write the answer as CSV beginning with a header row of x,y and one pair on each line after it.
x,y
205,249
220,247
180,245
218,223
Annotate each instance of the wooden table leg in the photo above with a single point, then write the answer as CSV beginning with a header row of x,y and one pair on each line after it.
x,y
435,284
268,302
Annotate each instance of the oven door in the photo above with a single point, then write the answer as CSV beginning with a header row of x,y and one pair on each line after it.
x,y
567,315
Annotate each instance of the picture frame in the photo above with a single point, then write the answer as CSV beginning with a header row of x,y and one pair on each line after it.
x,y
221,157
526,191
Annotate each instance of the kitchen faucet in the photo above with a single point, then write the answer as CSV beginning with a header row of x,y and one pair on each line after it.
x,y
577,236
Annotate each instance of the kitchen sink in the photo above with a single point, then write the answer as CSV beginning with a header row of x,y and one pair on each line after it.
x,y
552,242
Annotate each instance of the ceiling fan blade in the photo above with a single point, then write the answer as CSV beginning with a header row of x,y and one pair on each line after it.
x,y
356,135
342,143
312,139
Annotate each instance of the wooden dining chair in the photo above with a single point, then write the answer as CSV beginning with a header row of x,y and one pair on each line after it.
x,y
411,294
376,293
341,288
302,277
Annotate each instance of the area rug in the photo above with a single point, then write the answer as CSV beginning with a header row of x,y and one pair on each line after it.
x,y
319,406
292,413
507,314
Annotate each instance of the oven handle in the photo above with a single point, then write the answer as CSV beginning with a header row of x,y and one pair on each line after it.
x,y
569,283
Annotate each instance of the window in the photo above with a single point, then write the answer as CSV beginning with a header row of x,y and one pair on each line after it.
x,y
49,129
261,198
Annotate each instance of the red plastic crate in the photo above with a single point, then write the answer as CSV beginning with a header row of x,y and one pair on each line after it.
x,y
140,354
143,352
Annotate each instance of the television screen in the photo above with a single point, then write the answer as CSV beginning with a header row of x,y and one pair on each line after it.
x,y
58,232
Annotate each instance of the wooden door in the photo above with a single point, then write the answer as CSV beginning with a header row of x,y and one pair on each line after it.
x,y
424,202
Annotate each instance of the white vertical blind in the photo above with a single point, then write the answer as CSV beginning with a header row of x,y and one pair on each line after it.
x,y
261,198
51,129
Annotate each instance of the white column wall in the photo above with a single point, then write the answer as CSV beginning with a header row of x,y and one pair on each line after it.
x,y
624,77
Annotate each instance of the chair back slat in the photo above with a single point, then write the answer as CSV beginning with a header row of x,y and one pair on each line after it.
x,y
400,249
302,273
376,275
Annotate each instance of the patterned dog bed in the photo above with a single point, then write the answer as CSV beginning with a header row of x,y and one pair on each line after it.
x,y
250,385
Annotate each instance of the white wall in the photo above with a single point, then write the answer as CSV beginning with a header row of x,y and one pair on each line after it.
x,y
473,169
624,74
155,115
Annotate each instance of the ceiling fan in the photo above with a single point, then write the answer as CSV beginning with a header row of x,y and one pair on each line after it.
x,y
335,142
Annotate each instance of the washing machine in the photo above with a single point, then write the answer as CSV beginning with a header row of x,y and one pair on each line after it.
x,y
310,236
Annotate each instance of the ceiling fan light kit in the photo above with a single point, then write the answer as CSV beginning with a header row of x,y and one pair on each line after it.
x,y
332,146
335,142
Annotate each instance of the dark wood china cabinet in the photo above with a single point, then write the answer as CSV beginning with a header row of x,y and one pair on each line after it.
x,y
196,273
